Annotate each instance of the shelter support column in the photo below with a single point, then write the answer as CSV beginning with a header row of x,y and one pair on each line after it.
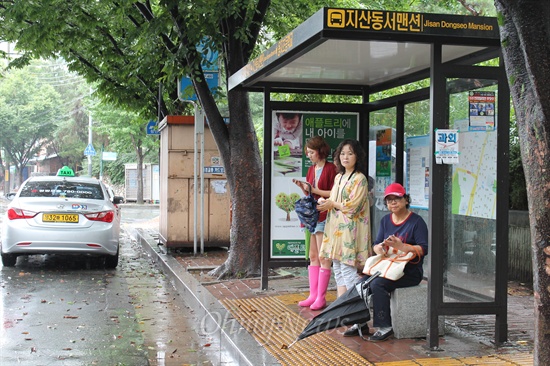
x,y
436,205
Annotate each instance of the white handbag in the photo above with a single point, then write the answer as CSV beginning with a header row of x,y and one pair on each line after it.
x,y
390,265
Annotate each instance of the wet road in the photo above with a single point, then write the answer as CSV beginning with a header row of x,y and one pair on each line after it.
x,y
61,310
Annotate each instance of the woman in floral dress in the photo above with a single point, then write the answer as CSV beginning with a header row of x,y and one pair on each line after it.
x,y
346,241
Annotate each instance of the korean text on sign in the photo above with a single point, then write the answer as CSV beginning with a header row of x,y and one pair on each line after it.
x,y
326,127
376,20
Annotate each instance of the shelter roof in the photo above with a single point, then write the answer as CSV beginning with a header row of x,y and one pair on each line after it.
x,y
349,50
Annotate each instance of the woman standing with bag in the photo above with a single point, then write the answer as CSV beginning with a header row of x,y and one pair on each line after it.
x,y
320,176
347,231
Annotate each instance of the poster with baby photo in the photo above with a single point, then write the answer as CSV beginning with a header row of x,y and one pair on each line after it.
x,y
291,130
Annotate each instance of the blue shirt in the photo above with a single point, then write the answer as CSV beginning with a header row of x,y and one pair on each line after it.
x,y
413,231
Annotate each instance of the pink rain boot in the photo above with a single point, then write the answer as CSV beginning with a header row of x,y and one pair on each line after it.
x,y
313,273
324,279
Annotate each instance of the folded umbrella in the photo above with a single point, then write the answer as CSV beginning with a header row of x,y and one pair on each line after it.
x,y
350,308
306,209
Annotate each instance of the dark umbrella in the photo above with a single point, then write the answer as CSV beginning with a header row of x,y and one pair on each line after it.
x,y
350,308
306,209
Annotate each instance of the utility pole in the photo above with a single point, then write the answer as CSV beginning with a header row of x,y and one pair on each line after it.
x,y
90,139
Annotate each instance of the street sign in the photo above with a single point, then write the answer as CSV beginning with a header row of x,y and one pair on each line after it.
x,y
214,170
89,150
186,90
209,57
109,156
153,128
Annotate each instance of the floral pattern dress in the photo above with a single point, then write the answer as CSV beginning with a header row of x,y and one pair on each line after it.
x,y
347,232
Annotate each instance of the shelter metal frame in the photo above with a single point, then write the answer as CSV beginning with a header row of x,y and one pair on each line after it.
x,y
453,56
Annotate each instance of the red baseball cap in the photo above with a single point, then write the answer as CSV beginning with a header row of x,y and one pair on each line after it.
x,y
394,189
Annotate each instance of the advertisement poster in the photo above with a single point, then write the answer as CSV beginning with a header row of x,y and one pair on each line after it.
x,y
482,110
383,152
446,147
418,172
291,130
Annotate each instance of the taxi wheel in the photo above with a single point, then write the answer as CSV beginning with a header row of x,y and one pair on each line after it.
x,y
9,260
111,261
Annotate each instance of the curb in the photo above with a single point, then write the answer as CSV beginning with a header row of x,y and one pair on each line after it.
x,y
217,322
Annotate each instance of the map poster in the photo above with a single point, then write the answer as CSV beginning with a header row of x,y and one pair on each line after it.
x,y
418,170
482,111
291,129
474,178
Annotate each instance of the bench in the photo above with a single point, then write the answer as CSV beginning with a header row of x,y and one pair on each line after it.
x,y
409,312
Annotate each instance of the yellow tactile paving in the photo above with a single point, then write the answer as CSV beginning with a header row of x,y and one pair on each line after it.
x,y
522,359
291,299
500,360
275,327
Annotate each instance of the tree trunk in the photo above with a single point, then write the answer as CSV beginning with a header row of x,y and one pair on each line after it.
x,y
241,158
139,178
238,147
524,29
18,176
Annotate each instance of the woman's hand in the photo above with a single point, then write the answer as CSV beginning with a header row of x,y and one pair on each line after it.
x,y
380,249
394,242
324,205
303,186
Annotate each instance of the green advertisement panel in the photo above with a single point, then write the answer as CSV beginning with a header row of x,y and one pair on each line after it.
x,y
291,129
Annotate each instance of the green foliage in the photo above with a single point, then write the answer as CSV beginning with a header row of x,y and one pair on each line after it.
x,y
479,7
28,115
127,136
518,188
71,135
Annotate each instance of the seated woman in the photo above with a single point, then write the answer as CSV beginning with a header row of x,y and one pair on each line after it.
x,y
405,231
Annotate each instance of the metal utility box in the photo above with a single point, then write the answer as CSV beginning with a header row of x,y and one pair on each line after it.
x,y
177,187
150,182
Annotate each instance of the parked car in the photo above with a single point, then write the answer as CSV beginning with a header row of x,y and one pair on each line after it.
x,y
62,214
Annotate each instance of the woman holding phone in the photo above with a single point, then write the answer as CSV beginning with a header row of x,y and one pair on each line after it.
x,y
320,176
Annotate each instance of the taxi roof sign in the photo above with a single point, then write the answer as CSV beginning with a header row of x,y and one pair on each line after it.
x,y
65,172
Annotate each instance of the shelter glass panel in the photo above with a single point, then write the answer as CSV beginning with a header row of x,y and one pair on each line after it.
x,y
470,196
382,150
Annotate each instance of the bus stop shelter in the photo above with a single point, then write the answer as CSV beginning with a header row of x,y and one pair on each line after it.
x,y
446,79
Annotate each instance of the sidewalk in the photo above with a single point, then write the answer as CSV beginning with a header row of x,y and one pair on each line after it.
x,y
268,321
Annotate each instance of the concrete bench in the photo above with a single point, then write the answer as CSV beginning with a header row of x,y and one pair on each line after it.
x,y
409,312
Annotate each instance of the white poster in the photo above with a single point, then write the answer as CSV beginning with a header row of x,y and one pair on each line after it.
x,y
446,147
418,172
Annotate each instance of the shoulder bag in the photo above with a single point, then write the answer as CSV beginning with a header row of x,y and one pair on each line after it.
x,y
391,265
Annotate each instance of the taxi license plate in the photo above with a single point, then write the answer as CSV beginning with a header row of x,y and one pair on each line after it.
x,y
70,218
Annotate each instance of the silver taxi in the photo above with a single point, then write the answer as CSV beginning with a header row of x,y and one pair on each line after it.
x,y
62,214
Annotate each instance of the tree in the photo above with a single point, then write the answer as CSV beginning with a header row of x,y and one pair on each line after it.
x,y
128,48
71,135
28,111
126,131
524,30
